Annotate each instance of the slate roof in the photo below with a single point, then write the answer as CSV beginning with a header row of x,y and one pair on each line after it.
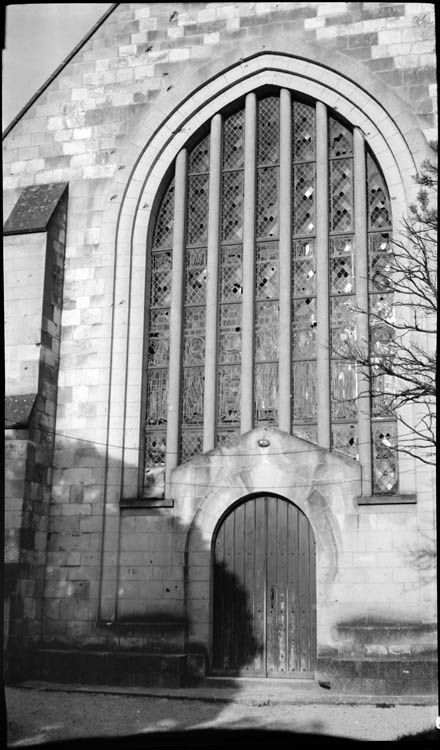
x,y
18,410
34,208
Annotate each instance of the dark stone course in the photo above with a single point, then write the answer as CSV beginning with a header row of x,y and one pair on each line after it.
x,y
392,77
382,11
363,40
386,676
426,74
381,63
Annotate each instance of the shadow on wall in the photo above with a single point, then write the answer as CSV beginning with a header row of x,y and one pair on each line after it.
x,y
145,643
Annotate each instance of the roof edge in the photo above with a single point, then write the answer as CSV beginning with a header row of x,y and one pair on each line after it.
x,y
58,70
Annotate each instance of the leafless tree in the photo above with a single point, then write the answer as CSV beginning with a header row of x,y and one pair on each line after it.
x,y
400,355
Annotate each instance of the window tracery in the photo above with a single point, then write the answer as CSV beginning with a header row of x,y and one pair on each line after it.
x,y
266,294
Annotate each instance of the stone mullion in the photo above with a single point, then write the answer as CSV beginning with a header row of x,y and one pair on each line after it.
x,y
322,280
362,333
174,376
249,209
285,269
212,271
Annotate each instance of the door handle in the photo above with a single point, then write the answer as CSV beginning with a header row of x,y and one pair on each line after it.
x,y
272,597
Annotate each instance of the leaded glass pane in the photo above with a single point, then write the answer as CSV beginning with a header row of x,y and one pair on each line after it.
x,y
224,436
341,195
160,293
233,141
304,391
345,438
229,350
379,209
343,389
229,395
304,199
192,395
340,139
232,206
159,338
304,268
267,202
194,336
342,324
268,129
154,471
382,394
157,393
155,447
384,438
266,331
191,444
381,306
303,132
306,432
304,328
341,265
267,270
266,393
199,157
379,261
197,212
195,276
231,274
163,230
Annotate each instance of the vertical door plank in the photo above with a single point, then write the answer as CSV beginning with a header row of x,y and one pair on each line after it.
x,y
228,634
282,586
293,568
260,585
239,593
312,597
249,582
219,601
272,587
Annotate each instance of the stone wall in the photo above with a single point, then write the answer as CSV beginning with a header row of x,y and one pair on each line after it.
x,y
89,128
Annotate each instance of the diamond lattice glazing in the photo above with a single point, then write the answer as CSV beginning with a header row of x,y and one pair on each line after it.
x,y
304,199
268,128
341,195
163,230
303,128
233,141
232,206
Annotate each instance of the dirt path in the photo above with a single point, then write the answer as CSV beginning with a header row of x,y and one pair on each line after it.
x,y
36,716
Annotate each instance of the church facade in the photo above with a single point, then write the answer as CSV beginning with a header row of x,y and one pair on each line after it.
x,y
199,208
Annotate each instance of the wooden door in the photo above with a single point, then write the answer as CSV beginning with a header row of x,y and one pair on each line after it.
x,y
264,591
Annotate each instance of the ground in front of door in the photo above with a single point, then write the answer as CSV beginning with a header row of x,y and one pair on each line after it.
x,y
37,716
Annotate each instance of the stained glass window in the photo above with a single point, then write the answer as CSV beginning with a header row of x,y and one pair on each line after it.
x,y
304,320
229,337
384,427
194,305
158,347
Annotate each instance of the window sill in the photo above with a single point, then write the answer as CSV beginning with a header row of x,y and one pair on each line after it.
x,y
399,499
146,503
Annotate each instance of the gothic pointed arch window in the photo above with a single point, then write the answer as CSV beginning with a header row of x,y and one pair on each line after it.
x,y
286,224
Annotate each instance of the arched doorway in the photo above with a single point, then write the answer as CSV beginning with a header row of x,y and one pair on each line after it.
x,y
264,613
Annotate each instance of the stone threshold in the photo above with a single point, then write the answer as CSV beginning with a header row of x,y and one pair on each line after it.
x,y
291,692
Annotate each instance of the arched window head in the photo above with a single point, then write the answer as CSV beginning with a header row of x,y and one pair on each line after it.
x,y
275,273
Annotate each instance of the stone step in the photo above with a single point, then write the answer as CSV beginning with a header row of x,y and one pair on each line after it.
x,y
134,668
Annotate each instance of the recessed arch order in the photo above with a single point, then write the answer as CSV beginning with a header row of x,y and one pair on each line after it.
x,y
391,147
